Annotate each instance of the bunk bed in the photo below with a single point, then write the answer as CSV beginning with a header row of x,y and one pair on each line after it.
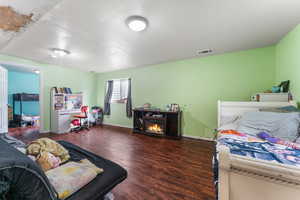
x,y
21,98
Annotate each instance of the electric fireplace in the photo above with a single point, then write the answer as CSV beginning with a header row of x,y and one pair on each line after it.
x,y
155,126
157,123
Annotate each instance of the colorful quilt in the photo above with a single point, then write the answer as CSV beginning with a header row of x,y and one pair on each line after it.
x,y
249,146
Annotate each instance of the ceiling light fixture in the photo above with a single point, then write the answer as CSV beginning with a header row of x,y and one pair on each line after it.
x,y
36,71
137,23
56,52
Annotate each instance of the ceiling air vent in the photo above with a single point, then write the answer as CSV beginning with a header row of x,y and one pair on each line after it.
x,y
204,51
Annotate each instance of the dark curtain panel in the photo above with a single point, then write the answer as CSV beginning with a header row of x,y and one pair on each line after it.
x,y
107,99
129,101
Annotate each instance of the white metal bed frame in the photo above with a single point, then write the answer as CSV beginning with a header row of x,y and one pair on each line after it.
x,y
242,178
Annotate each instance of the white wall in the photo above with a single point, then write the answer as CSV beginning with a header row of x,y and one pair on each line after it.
x,y
3,100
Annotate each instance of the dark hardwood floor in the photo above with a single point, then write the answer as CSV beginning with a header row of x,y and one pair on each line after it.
x,y
23,131
158,169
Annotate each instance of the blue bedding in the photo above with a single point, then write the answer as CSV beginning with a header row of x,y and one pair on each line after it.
x,y
260,149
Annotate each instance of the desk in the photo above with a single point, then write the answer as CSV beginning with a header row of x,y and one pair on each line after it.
x,y
61,119
63,107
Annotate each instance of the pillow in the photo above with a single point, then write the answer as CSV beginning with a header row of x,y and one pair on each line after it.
x,y
229,119
277,110
286,109
70,177
47,161
230,126
282,125
297,140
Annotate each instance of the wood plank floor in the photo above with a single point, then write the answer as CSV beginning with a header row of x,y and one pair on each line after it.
x,y
23,131
158,169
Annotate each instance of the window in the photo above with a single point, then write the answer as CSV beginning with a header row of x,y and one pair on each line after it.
x,y
120,91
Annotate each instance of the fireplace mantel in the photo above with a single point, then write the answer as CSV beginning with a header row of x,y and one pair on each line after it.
x,y
157,123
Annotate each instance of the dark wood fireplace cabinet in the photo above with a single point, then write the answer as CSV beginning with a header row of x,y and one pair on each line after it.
x,y
157,123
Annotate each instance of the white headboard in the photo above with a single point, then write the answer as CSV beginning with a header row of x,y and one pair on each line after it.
x,y
233,109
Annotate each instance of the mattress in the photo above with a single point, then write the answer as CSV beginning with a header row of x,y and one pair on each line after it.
x,y
21,178
113,174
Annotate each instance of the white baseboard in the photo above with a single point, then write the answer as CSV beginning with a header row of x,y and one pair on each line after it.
x,y
109,124
187,136
198,138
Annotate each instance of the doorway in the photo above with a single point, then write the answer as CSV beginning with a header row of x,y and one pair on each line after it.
x,y
23,102
3,100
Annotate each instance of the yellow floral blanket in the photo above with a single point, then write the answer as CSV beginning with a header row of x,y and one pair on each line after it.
x,y
70,177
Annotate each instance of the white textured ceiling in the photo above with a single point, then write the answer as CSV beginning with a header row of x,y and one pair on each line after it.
x,y
27,7
95,32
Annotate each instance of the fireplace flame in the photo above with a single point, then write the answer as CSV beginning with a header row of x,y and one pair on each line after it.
x,y
155,128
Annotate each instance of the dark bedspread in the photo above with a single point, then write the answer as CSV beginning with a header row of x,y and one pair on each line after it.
x,y
20,177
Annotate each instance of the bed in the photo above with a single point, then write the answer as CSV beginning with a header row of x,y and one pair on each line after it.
x,y
244,178
21,118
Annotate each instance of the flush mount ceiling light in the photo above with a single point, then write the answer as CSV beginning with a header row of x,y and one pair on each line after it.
x,y
56,52
137,23
36,71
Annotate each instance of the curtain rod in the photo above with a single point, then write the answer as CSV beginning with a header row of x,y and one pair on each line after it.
x,y
118,79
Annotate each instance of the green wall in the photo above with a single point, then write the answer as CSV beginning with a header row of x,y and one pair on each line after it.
x,y
288,61
196,85
77,80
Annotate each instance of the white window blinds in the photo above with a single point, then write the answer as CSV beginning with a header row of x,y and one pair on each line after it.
x,y
120,90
